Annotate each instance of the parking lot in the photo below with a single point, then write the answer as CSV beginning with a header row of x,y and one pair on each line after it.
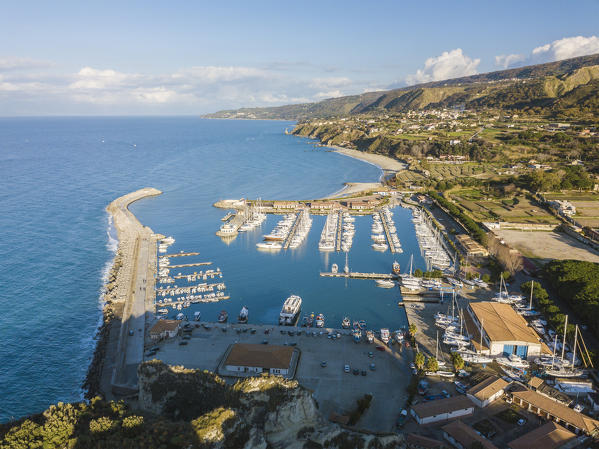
x,y
333,388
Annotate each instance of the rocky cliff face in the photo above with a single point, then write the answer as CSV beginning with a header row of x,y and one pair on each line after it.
x,y
265,412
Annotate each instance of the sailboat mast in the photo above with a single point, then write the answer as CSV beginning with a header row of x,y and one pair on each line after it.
x,y
574,352
532,284
554,349
437,347
564,343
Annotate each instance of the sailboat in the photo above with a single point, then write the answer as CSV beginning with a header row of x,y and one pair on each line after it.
x,y
562,371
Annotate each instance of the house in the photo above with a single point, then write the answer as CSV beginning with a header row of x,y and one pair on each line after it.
x,y
256,358
324,205
504,332
487,391
552,410
415,441
442,410
463,436
548,436
471,247
537,384
165,329
284,204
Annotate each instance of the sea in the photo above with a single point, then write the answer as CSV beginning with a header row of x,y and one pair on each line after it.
x,y
57,175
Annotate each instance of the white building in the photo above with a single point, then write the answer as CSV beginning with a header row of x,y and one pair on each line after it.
x,y
256,358
504,332
165,329
487,391
442,410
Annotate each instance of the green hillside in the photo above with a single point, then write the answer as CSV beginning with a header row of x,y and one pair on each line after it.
x,y
550,89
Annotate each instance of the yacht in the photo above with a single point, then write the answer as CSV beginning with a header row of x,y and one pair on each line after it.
x,y
513,361
399,336
319,321
223,316
380,246
243,315
334,268
345,324
385,336
370,336
384,283
269,245
290,310
180,316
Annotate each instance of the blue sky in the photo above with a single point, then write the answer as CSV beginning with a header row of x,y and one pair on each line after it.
x,y
175,57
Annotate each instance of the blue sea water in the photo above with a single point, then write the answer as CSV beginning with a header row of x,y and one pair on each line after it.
x,y
58,175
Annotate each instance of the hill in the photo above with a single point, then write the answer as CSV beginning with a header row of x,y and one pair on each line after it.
x,y
555,88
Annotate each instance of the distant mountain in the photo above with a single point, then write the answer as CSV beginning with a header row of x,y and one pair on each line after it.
x,y
558,88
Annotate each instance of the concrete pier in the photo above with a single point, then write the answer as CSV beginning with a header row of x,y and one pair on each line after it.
x,y
356,275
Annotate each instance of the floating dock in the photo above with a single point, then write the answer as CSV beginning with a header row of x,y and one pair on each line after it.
x,y
387,233
201,274
197,301
187,289
184,265
291,232
339,231
355,275
180,255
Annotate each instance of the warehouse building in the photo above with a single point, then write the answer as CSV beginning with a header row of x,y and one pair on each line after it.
x,y
442,410
487,391
497,330
256,359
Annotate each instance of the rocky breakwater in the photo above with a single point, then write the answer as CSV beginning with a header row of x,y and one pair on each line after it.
x,y
117,292
262,412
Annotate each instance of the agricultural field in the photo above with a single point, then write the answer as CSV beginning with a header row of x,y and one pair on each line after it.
x,y
517,209
586,203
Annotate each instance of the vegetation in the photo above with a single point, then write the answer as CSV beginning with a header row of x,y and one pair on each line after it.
x,y
412,329
432,364
457,361
419,360
577,283
470,225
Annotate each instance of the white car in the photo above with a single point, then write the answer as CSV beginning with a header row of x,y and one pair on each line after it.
x,y
346,368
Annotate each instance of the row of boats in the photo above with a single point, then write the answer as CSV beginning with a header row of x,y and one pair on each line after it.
x,y
379,221
299,225
254,217
430,242
164,244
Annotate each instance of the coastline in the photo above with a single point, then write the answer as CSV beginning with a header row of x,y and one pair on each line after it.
x,y
387,165
117,291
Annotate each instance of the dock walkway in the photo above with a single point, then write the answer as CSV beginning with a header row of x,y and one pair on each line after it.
x,y
339,231
181,255
184,265
387,233
291,232
356,275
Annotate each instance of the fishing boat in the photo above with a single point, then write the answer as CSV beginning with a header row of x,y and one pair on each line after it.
x,y
319,321
345,324
197,316
384,283
243,315
399,336
370,336
290,311
385,336
396,267
357,334
223,316
362,324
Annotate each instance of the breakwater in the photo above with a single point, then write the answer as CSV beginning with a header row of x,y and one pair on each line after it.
x,y
124,300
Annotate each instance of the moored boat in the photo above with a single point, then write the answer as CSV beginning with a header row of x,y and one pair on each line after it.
x,y
384,283
290,311
223,316
243,315
345,324
319,321
385,336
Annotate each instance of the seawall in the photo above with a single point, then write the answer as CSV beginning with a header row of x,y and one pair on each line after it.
x,y
125,303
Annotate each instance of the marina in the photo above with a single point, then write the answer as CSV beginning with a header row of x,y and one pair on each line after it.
x,y
356,275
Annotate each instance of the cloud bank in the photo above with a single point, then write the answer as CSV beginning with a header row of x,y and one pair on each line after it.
x,y
450,64
568,47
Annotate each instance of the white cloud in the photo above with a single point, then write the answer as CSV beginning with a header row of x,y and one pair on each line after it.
x,y
7,64
328,94
330,82
213,74
450,64
568,47
90,78
505,61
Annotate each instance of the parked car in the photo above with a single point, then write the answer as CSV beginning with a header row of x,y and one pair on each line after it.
x,y
346,368
372,367
323,363
356,372
403,417
521,421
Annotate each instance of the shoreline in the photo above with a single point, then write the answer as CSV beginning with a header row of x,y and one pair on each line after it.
x,y
117,290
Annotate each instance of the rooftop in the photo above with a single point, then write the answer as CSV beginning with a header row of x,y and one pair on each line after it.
x,y
164,325
256,355
558,410
413,439
447,405
466,435
487,388
548,436
502,323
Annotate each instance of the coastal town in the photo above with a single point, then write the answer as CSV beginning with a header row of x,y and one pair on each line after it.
x,y
479,361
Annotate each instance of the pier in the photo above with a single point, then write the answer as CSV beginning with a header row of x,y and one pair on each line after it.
x,y
184,265
356,275
387,233
231,227
195,274
180,255
291,232
192,301
339,231
201,288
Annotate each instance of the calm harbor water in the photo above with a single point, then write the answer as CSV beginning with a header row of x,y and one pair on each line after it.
x,y
58,175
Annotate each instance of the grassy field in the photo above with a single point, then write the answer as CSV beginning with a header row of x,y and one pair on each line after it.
x,y
488,208
586,203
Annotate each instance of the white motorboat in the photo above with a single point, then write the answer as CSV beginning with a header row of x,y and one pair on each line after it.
x,y
380,246
385,336
269,245
384,283
290,310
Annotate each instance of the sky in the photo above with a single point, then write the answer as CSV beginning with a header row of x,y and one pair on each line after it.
x,y
193,57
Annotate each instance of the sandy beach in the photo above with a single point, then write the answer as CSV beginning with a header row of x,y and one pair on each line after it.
x,y
385,163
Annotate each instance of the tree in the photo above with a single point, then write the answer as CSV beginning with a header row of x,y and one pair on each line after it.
x,y
419,360
418,273
432,364
457,360
412,329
